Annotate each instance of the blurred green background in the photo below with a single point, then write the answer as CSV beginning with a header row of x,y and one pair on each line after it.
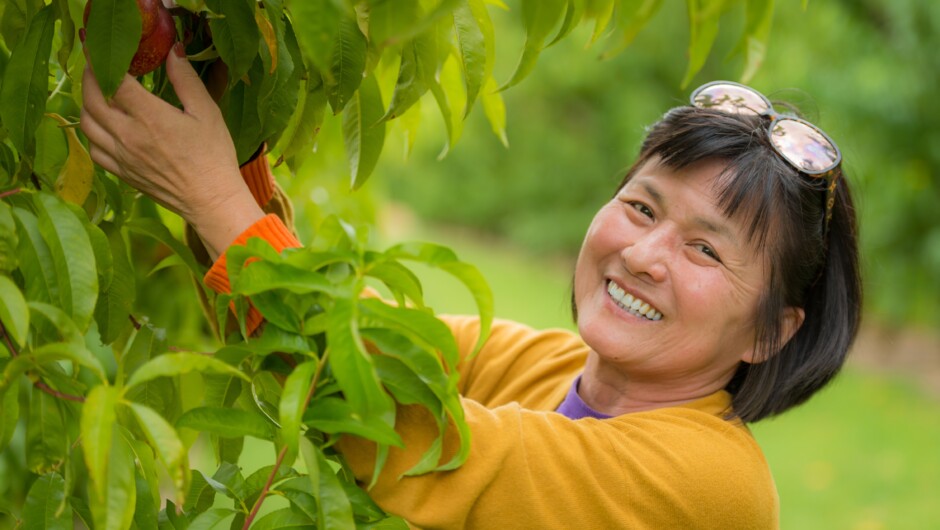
x,y
864,454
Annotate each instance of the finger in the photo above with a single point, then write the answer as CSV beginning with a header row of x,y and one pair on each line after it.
x,y
105,160
110,117
189,88
136,101
94,131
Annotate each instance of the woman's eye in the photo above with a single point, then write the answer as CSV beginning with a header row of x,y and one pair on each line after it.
x,y
642,208
708,251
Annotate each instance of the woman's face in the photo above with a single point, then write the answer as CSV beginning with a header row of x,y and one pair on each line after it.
x,y
663,241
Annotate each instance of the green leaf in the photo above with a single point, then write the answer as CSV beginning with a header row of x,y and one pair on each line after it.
x,y
61,322
410,85
97,422
336,511
35,259
173,364
398,278
703,28
115,302
158,231
293,404
226,422
25,82
263,276
8,237
421,326
115,510
347,63
228,481
759,16
146,516
471,45
112,34
351,365
9,411
406,385
333,415
240,110
211,519
318,24
363,131
305,123
201,496
163,438
443,258
72,351
602,11
235,34
73,257
573,16
14,314
283,518
495,110
540,17
630,22
46,435
392,20
46,507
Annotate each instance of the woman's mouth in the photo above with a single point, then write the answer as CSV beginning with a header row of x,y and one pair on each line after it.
x,y
631,304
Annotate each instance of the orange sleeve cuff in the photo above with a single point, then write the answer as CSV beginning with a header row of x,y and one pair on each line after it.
x,y
271,229
257,175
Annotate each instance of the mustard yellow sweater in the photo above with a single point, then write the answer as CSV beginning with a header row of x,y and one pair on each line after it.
x,y
532,468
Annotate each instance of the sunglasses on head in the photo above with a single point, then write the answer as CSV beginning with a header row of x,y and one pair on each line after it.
x,y
803,145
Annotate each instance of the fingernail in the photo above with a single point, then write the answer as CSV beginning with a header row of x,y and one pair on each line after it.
x,y
179,50
81,35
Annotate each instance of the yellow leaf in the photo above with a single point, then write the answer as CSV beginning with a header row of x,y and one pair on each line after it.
x,y
75,178
270,37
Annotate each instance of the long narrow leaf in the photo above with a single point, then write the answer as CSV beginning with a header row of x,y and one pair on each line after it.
x,y
165,441
173,364
112,33
291,406
364,131
14,314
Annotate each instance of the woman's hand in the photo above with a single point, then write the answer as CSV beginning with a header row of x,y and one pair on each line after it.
x,y
183,159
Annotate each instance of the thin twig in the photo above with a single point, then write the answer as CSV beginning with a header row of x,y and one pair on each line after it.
x,y
264,490
7,193
283,452
36,382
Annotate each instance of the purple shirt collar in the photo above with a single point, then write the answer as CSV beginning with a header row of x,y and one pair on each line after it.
x,y
575,408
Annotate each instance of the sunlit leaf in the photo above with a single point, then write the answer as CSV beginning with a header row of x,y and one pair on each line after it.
x,y
115,510
759,15
9,411
75,177
335,509
46,436
211,518
226,422
284,518
97,422
495,110
46,508
540,17
165,441
573,15
25,81
112,33
173,364
72,257
235,34
602,11
292,404
630,22
318,24
703,28
334,415
8,239
363,131
347,63
14,314
391,20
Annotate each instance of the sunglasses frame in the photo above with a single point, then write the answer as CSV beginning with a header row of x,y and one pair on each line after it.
x,y
829,174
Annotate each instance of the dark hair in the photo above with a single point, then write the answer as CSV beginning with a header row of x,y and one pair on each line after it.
x,y
809,267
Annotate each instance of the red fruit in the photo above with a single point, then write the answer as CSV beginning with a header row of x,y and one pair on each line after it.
x,y
157,36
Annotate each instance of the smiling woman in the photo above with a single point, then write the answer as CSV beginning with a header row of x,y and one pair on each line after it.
x,y
718,287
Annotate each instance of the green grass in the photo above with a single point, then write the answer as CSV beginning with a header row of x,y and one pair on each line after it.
x,y
863,454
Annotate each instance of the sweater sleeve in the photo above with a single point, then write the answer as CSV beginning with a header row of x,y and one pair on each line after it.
x,y
271,229
529,467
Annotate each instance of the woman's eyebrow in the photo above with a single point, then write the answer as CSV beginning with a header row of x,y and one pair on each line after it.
x,y
718,228
653,192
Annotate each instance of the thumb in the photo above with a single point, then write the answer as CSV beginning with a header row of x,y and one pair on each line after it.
x,y
189,88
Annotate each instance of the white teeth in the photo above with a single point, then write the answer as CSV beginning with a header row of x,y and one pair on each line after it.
x,y
633,305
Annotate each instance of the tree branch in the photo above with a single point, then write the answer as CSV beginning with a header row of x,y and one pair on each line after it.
x,y
37,382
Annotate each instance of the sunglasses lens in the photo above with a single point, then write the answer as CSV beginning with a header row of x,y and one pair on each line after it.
x,y
730,98
804,146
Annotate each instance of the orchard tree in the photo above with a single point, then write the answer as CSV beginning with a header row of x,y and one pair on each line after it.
x,y
95,420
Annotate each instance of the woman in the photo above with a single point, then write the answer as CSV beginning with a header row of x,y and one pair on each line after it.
x,y
719,286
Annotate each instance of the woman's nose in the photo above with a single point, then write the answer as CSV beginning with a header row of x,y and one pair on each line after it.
x,y
647,256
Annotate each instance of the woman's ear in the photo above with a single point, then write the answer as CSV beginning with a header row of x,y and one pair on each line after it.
x,y
790,323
